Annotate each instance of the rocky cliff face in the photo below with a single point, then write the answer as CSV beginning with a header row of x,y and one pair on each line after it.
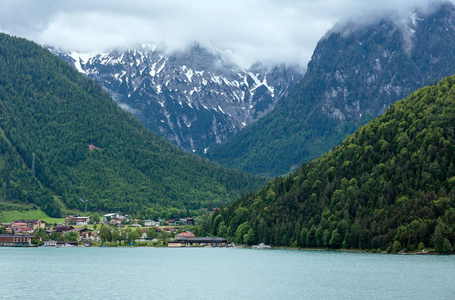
x,y
355,74
194,98
364,70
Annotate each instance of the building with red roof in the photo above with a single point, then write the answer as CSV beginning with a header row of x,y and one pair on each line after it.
x,y
185,234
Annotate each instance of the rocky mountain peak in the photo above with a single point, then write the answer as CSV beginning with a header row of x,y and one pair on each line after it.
x,y
195,98
356,72
366,68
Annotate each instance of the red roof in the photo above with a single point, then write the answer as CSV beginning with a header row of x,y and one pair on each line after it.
x,y
20,224
21,229
185,234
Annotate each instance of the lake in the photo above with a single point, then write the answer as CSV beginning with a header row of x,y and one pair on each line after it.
x,y
221,273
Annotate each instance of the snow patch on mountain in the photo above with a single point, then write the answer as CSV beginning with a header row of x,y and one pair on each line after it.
x,y
165,91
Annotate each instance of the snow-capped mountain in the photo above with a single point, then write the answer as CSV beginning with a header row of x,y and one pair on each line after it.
x,y
194,98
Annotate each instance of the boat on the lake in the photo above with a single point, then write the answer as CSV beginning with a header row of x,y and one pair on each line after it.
x,y
64,245
261,246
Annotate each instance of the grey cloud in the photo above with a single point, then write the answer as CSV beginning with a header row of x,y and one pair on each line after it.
x,y
267,30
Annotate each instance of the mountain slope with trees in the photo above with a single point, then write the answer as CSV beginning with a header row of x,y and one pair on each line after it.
x,y
389,186
356,72
86,146
16,182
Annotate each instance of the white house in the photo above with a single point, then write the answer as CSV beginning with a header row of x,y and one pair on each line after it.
x,y
50,243
111,215
82,221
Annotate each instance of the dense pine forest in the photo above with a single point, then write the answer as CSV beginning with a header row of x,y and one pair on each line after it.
x,y
87,147
390,186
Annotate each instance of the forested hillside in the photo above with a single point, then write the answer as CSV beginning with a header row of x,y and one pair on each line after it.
x,y
356,72
389,186
86,146
16,182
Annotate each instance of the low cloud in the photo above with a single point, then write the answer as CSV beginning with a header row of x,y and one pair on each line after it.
x,y
128,108
267,30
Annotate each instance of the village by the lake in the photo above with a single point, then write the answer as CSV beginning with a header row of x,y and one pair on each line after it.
x,y
110,230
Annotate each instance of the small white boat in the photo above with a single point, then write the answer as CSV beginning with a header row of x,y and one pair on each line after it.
x,y
261,246
64,245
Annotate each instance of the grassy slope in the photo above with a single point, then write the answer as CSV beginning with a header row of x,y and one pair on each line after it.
x,y
8,216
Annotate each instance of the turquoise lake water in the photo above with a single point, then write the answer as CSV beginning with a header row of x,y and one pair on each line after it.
x,y
220,273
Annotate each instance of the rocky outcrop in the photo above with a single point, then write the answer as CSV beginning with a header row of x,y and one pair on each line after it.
x,y
366,69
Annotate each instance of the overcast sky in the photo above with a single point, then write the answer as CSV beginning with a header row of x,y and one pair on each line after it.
x,y
266,30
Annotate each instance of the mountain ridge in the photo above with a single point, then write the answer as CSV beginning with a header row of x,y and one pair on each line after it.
x,y
194,97
352,77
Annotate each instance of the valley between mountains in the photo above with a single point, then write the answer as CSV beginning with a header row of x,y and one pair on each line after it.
x,y
355,151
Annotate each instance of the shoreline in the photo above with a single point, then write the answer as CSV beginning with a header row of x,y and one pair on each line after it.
x,y
423,252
